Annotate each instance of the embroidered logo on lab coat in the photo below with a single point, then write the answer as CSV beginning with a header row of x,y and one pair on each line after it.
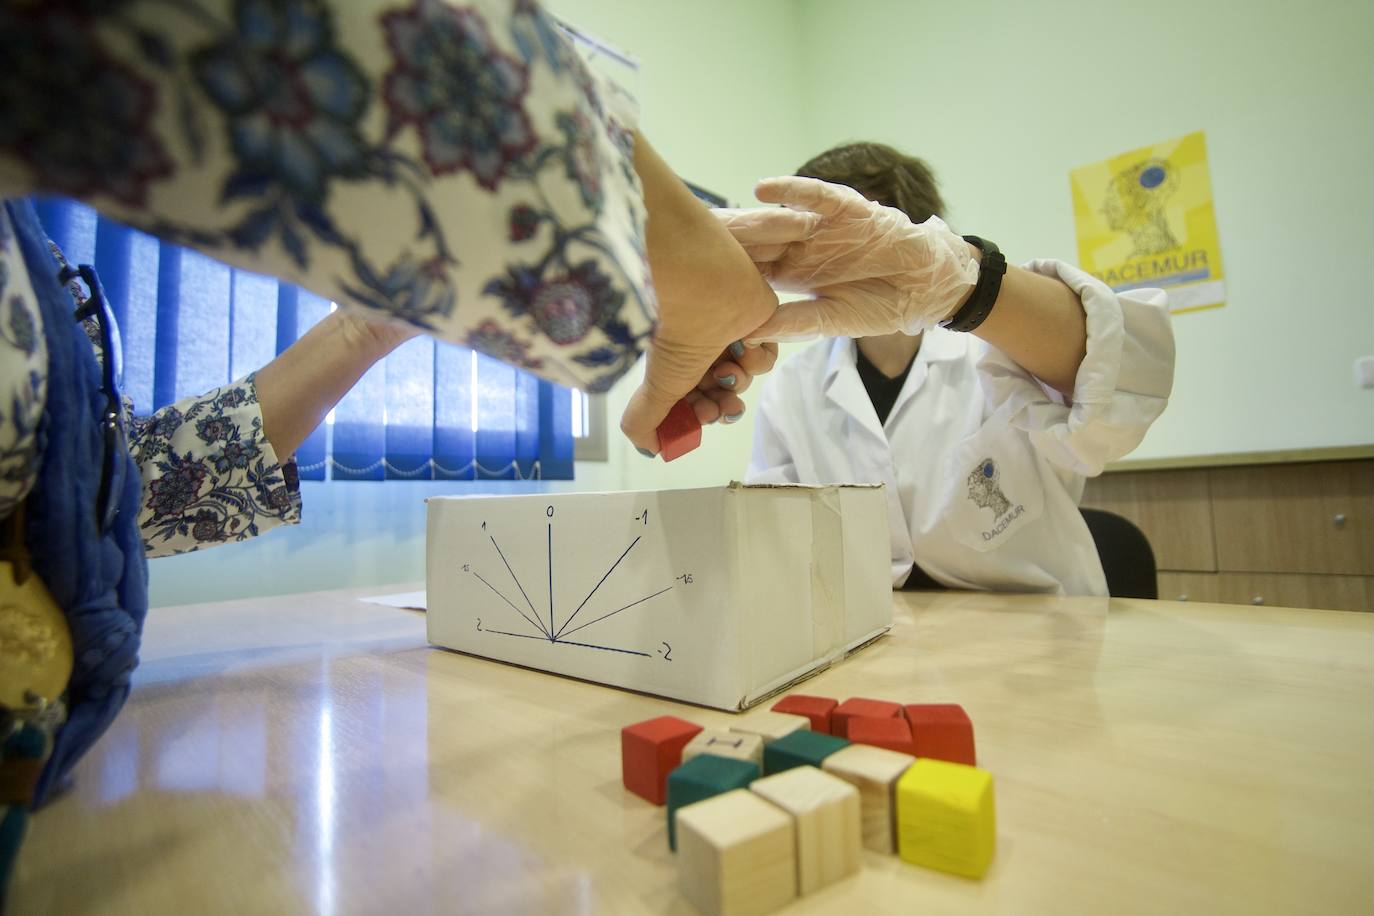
x,y
985,489
994,490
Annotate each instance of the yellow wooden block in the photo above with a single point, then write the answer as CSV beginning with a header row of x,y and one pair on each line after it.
x,y
874,771
736,855
946,818
826,811
770,726
726,744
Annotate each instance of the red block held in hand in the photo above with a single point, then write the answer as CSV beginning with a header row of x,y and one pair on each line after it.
x,y
817,709
649,751
893,734
680,431
942,731
858,707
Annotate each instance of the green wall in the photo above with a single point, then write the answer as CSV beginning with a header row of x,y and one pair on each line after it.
x,y
1004,100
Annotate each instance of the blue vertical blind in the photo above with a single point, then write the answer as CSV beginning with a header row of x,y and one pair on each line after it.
x,y
429,411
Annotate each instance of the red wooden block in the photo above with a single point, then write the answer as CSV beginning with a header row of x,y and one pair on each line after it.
x,y
893,734
680,432
649,751
817,709
942,731
857,707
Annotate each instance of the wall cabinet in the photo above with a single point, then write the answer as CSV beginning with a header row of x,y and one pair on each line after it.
x,y
1296,535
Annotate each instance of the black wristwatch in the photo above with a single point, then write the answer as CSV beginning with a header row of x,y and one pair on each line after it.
x,y
979,305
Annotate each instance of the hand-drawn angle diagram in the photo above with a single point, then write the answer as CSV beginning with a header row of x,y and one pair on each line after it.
x,y
559,631
621,575
714,595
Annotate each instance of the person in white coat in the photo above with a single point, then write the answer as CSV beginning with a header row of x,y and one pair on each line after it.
x,y
981,395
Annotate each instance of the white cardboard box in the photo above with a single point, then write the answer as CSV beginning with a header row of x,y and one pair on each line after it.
x,y
720,596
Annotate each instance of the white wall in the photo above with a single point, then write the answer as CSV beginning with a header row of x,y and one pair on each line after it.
x,y
719,92
1004,100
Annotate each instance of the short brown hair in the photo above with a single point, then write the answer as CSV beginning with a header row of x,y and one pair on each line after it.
x,y
880,173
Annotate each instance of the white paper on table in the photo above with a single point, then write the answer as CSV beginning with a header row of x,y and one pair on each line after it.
x,y
411,601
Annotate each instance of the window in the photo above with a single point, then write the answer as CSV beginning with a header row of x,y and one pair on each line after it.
x,y
588,426
429,411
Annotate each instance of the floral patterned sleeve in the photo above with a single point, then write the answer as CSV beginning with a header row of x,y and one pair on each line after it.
x,y
23,373
453,164
209,474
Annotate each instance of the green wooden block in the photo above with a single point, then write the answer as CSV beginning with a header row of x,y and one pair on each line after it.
x,y
705,776
802,748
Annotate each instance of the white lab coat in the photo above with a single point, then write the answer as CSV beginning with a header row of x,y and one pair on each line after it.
x,y
983,464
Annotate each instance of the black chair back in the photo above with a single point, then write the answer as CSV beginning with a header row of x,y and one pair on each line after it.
x,y
1126,556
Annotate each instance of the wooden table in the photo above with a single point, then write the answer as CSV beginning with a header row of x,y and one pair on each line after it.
x,y
311,754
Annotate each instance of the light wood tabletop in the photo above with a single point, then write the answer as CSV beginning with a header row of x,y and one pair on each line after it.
x,y
310,754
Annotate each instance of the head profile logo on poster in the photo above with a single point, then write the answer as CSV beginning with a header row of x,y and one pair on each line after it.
x,y
1145,218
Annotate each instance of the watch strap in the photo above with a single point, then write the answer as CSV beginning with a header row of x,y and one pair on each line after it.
x,y
979,305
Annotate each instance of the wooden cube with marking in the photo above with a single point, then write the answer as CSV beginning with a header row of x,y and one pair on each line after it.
x,y
649,751
817,709
738,745
737,855
826,812
943,731
770,726
946,817
874,772
860,707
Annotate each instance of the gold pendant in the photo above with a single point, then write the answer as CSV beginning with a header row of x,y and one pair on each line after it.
x,y
35,644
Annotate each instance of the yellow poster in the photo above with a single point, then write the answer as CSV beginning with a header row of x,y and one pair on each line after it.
x,y
1145,218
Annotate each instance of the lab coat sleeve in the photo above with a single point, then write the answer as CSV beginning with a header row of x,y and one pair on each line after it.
x,y
771,460
1123,383
458,167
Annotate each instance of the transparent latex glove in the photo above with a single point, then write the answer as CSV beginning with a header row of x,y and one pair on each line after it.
x,y
869,269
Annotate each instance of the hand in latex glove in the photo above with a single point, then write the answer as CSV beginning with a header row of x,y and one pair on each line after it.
x,y
870,269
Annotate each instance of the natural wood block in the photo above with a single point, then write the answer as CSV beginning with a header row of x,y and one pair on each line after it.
x,y
650,750
893,734
943,731
799,749
770,726
826,812
858,707
817,709
874,772
737,855
680,431
701,778
726,744
946,817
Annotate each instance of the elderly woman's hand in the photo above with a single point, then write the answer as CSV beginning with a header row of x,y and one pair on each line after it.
x,y
710,296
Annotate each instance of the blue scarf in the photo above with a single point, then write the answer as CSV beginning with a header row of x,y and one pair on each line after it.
x,y
100,580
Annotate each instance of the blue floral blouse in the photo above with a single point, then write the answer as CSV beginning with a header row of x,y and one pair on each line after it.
x,y
209,474
453,164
